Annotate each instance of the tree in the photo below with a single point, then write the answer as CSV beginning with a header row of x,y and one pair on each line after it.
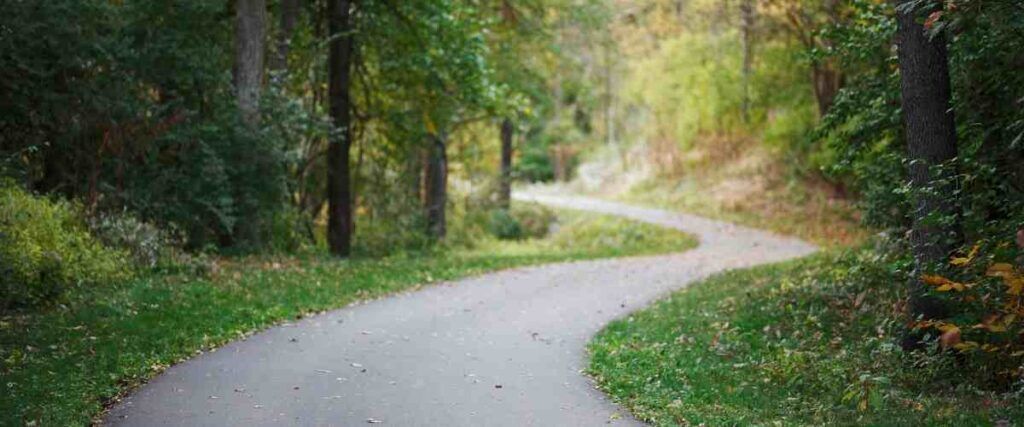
x,y
805,20
932,150
250,37
747,33
436,197
288,18
505,186
340,222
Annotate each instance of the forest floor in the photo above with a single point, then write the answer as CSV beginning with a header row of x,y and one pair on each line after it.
x,y
62,365
498,349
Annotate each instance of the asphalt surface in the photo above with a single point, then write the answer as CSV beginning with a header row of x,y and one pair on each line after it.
x,y
502,349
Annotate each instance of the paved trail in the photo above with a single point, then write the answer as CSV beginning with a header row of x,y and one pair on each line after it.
x,y
502,349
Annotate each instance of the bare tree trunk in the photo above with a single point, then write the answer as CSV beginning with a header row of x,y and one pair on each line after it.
x,y
932,149
747,30
505,188
250,37
289,17
827,82
340,223
436,196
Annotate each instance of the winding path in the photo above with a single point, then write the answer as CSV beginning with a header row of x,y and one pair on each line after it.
x,y
501,349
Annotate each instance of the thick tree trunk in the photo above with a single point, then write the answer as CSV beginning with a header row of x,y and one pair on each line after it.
x,y
287,20
932,149
436,197
250,37
505,185
340,223
747,32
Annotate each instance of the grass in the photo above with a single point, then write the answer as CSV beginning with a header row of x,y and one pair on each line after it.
x,y
734,177
794,209
61,366
809,342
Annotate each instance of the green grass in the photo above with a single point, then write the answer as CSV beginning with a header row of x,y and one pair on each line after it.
x,y
809,342
60,366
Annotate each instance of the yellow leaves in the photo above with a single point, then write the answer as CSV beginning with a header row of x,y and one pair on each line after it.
x,y
999,269
1011,277
962,261
429,123
996,323
943,284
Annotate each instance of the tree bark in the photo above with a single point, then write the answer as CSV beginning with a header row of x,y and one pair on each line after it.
x,y
827,81
340,222
747,32
505,185
287,20
436,197
250,37
932,150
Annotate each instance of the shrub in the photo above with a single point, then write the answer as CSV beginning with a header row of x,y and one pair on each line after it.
x,y
146,243
523,221
45,249
535,219
503,226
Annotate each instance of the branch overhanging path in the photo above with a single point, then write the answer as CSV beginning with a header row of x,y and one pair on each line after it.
x,y
504,348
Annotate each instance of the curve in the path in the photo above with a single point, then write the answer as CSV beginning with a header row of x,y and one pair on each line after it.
x,y
502,349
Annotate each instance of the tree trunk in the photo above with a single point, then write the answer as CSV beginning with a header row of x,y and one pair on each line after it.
x,y
340,223
250,36
931,148
289,16
827,82
747,30
436,197
505,186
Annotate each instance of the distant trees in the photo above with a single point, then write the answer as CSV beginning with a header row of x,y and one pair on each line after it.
x,y
806,21
166,111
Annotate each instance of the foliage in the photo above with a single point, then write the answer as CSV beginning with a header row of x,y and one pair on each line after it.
x,y
59,367
809,342
987,289
523,221
47,251
865,128
503,226
132,107
147,244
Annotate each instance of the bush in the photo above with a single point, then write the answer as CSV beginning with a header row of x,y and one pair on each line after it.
x,y
45,249
148,245
535,219
523,221
503,226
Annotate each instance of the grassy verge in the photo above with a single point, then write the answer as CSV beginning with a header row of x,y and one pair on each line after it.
x,y
810,342
60,366
794,210
733,177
